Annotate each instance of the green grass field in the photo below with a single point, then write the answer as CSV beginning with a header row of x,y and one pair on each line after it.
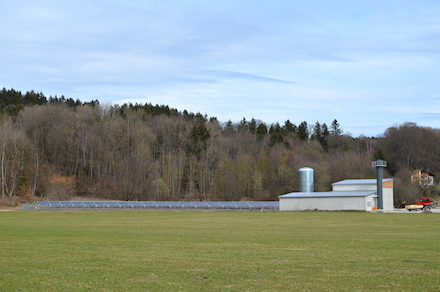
x,y
218,251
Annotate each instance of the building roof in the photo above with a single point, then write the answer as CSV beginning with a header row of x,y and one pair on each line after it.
x,y
360,181
421,171
328,194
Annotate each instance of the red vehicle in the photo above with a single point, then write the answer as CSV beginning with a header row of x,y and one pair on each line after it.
x,y
424,204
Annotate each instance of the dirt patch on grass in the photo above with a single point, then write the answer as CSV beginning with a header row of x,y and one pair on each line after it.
x,y
5,209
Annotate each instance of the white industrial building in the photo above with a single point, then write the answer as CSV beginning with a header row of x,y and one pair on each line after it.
x,y
349,194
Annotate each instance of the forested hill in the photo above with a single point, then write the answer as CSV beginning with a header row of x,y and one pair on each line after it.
x,y
58,148
12,102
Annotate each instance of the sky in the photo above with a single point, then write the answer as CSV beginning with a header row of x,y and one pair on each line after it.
x,y
369,64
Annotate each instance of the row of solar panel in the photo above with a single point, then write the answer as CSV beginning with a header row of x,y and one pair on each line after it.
x,y
273,205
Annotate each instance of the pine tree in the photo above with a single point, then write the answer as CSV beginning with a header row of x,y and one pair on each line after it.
x,y
261,131
198,139
253,126
303,131
335,130
289,127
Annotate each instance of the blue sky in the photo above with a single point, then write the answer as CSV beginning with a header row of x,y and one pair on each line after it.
x,y
368,64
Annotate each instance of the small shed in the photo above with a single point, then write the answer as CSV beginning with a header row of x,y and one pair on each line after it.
x,y
350,194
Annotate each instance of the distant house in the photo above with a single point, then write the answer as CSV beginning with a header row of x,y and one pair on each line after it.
x,y
422,177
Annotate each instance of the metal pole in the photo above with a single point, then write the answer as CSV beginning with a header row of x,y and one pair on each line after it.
x,y
379,164
379,175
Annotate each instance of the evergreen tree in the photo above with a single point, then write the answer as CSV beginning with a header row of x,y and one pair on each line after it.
x,y
320,134
324,136
317,131
276,135
261,131
289,127
253,126
198,139
335,130
303,131
229,127
243,126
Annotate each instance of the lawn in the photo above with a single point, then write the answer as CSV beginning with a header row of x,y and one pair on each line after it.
x,y
218,251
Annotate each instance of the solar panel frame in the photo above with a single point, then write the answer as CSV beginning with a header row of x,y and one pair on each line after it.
x,y
221,205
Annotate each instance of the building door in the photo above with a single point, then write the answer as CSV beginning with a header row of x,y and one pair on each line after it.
x,y
369,205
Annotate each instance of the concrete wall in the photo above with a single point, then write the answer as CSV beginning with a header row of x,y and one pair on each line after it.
x,y
388,199
355,187
327,203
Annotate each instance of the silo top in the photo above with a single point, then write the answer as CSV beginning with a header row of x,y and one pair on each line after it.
x,y
305,169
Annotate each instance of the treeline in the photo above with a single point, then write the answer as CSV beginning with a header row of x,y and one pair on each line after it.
x,y
58,148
